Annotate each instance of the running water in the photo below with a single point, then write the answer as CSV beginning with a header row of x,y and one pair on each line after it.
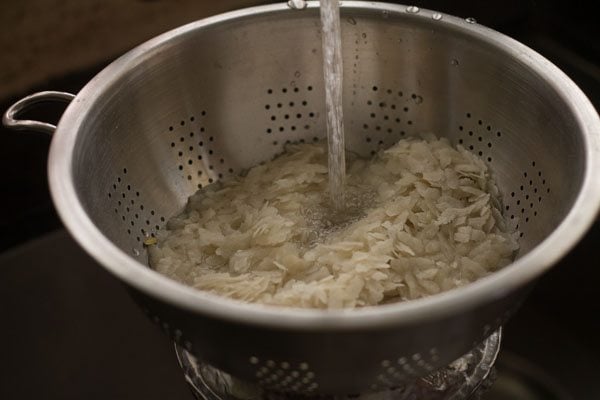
x,y
332,66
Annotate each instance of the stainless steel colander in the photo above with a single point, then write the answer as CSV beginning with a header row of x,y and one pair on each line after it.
x,y
217,96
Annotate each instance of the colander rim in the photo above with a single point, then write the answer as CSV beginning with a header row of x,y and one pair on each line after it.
x,y
496,286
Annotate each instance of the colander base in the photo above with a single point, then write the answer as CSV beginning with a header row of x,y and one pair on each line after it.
x,y
466,378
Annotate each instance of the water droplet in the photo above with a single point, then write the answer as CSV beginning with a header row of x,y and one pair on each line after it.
x,y
351,21
471,20
418,99
437,16
297,4
454,62
297,74
136,252
412,9
364,35
385,14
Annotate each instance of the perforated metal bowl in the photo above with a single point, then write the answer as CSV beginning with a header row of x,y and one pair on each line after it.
x,y
217,96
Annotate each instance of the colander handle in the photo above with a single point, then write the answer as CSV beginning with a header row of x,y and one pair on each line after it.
x,y
10,117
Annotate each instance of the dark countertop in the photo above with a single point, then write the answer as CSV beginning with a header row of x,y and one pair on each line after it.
x,y
70,331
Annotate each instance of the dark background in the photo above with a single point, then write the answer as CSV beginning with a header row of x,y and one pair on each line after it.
x,y
69,331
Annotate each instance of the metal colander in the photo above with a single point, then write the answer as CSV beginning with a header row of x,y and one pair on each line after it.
x,y
214,97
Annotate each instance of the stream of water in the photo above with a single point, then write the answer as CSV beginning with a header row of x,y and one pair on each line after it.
x,y
333,71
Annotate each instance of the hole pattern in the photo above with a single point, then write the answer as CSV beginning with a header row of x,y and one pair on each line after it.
x,y
395,371
389,115
284,376
140,222
194,148
478,136
288,110
172,332
522,202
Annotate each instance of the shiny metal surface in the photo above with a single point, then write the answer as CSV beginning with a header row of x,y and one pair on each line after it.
x,y
11,119
211,99
469,377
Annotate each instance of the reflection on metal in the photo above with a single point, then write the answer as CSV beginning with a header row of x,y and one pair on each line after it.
x,y
466,378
